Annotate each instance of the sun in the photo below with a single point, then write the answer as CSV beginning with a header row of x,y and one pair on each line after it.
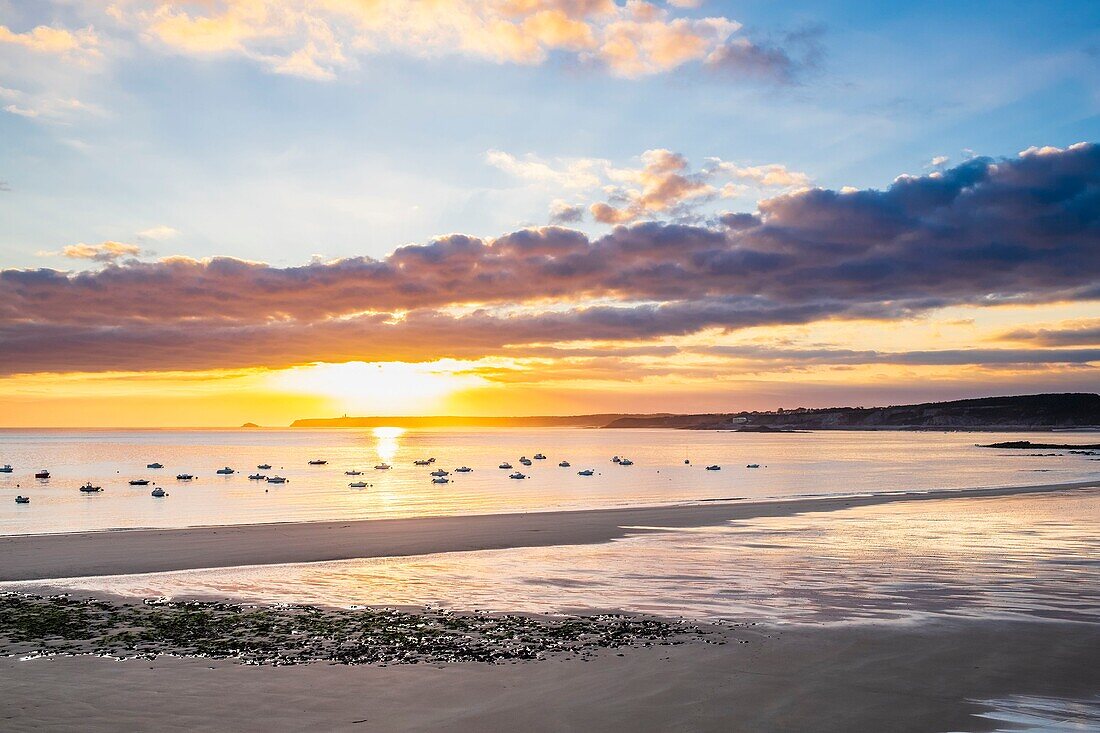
x,y
385,388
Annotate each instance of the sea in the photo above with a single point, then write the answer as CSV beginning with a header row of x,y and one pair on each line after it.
x,y
1023,557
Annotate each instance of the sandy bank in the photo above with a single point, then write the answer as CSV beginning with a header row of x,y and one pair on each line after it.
x,y
32,557
857,678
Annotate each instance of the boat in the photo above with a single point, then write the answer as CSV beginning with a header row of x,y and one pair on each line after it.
x,y
753,465
357,485
585,472
616,459
89,489
22,500
626,462
463,469
155,465
383,467
225,471
42,474
276,480
422,462
517,474
184,477
505,465
714,468
439,472
353,473
139,482
525,461
317,462
256,477
540,457
441,480
264,466
564,464
158,492
6,468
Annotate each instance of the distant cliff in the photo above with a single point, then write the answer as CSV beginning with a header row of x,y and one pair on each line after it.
x,y
1038,412
1029,412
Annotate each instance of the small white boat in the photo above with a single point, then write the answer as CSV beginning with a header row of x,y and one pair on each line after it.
x,y
6,468
505,465
42,474
256,477
155,465
422,462
139,482
357,485
383,467
264,466
276,480
184,477
441,480
225,471
540,457
439,472
626,462
463,469
753,465
89,489
585,472
564,464
353,473
714,468
317,462
22,500
525,461
516,475
158,492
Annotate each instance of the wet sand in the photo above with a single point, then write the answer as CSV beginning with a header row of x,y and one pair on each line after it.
x,y
34,557
841,678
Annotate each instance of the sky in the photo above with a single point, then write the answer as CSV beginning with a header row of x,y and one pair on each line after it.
x,y
258,210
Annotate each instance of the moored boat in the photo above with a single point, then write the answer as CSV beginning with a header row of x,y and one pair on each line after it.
x,y
42,474
184,477
564,464
22,500
626,462
516,475
264,466
6,468
155,465
441,480
89,489
353,473
753,465
227,471
383,467
256,477
158,492
714,468
357,485
505,465
540,457
463,469
276,480
439,472
317,462
139,482
585,472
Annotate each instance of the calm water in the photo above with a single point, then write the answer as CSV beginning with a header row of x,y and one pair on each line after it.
x,y
792,465
1021,557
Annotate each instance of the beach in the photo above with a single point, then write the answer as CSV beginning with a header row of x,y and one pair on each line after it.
x,y
30,557
933,668
848,678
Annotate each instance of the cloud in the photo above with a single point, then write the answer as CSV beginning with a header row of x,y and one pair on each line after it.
x,y
5,186
45,107
79,44
562,212
1019,230
664,185
939,160
105,252
159,233
1077,334
783,64
318,39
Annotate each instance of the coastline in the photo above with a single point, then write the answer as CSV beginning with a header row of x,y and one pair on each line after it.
x,y
124,552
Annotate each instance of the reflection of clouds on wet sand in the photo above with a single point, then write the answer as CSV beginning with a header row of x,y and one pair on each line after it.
x,y
1012,557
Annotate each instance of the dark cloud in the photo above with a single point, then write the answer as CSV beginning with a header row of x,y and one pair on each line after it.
x,y
784,62
944,357
1025,229
1082,335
